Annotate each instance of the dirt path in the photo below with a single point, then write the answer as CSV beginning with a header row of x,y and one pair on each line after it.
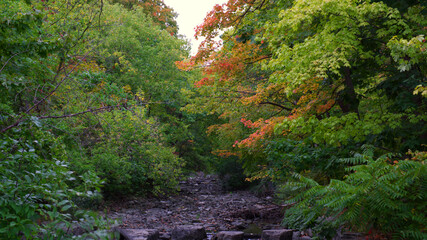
x,y
200,202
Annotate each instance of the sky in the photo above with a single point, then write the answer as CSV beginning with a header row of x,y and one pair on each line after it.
x,y
190,14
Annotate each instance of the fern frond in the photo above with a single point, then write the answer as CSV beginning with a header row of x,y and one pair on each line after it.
x,y
416,235
368,150
375,195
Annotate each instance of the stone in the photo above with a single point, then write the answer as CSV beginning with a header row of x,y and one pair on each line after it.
x,y
189,233
309,232
279,234
138,234
239,225
165,236
297,236
229,235
211,208
349,236
303,238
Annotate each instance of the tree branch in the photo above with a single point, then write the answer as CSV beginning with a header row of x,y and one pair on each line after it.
x,y
21,118
80,113
275,104
259,59
11,59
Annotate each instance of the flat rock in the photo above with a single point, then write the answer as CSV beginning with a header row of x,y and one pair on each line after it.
x,y
297,236
229,235
189,232
279,234
164,236
302,238
138,234
349,236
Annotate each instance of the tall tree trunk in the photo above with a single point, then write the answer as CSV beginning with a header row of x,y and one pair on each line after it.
x,y
347,98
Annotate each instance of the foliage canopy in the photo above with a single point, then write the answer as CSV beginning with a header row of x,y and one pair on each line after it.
x,y
299,85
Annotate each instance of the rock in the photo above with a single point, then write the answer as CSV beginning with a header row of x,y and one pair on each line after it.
x,y
309,232
209,207
164,236
349,236
229,235
222,228
280,234
297,236
238,225
138,234
302,238
189,233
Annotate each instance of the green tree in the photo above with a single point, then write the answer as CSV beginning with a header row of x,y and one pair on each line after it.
x,y
301,84
162,15
40,51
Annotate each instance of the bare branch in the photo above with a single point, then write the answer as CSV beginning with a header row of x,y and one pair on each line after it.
x,y
11,59
80,113
275,104
60,83
21,118
259,59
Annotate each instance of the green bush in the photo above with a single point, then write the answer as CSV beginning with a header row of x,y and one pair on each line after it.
x,y
35,192
384,196
130,155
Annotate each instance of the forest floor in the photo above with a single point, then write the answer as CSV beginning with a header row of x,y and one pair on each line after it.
x,y
200,202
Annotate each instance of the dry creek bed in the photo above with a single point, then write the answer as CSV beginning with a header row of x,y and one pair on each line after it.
x,y
200,202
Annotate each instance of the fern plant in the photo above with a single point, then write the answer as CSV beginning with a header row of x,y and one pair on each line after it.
x,y
382,197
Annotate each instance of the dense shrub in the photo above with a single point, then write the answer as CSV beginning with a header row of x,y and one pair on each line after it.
x,y
35,193
381,197
130,155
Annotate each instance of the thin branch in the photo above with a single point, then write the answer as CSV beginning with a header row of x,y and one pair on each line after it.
x,y
47,96
80,113
95,110
60,83
91,19
11,59
65,15
11,126
259,59
237,91
20,120
238,20
275,104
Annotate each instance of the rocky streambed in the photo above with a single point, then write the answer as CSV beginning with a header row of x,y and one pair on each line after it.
x,y
200,202
202,210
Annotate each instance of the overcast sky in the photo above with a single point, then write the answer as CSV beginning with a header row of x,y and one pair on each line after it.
x,y
190,14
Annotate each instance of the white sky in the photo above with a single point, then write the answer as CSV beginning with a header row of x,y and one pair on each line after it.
x,y
190,14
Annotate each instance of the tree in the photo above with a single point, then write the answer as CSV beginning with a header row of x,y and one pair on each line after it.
x,y
162,15
128,146
40,51
329,68
69,118
307,78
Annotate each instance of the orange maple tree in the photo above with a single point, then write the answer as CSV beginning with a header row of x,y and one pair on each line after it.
x,y
233,67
